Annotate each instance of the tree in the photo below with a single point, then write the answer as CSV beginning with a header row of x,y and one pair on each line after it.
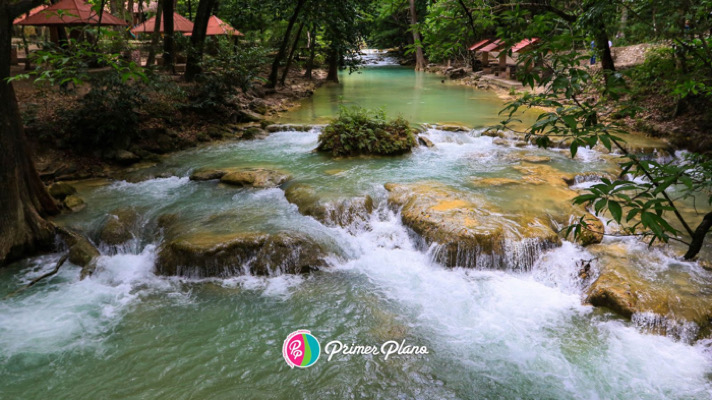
x,y
197,40
420,63
168,39
274,73
587,106
24,201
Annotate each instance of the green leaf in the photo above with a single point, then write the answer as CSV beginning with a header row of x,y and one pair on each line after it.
x,y
615,210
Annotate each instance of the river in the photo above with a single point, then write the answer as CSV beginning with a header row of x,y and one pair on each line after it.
x,y
508,333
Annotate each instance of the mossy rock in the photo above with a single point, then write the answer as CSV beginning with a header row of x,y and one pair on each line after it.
x,y
470,231
119,226
214,255
341,211
61,190
255,177
74,203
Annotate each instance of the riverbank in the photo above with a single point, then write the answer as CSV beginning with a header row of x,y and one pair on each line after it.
x,y
167,122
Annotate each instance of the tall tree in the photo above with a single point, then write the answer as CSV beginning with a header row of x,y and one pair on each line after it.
x,y
274,73
291,54
156,35
168,39
420,63
24,201
197,40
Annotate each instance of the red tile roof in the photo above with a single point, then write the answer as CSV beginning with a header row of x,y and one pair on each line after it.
x,y
70,12
524,44
217,27
30,13
479,44
494,46
180,24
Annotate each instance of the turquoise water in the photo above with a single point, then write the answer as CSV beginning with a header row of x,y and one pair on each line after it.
x,y
127,333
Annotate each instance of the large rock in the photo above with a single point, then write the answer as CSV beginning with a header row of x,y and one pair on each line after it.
x,y
212,255
81,252
343,212
119,226
74,203
126,157
61,190
424,141
469,230
255,177
667,299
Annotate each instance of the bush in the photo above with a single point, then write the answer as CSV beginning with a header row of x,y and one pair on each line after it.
x,y
107,116
360,131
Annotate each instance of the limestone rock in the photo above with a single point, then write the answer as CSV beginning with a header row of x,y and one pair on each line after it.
x,y
212,255
119,226
424,141
61,190
255,177
126,157
207,174
342,212
675,301
470,231
74,203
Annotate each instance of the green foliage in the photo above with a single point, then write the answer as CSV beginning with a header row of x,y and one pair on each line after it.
x,y
107,116
226,68
360,131
69,64
587,106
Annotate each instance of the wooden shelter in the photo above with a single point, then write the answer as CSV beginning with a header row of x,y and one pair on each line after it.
x,y
70,13
217,27
181,24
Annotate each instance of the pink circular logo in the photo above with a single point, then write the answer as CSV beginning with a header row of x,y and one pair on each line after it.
x,y
301,349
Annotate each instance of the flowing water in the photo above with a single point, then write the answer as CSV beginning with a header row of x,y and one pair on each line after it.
x,y
127,333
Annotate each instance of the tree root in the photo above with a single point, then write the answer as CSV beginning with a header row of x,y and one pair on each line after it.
x,y
47,275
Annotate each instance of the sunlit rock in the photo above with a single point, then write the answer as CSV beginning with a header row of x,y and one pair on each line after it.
x,y
469,230
660,295
253,177
340,211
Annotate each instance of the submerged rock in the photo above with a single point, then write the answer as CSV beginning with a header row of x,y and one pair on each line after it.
x,y
119,226
424,141
673,300
212,255
341,212
74,203
469,230
254,177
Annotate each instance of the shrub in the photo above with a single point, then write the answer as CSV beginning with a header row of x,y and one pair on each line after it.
x,y
107,116
360,131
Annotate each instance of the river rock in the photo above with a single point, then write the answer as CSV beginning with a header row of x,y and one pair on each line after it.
x,y
74,203
255,177
424,141
248,116
81,252
61,190
212,255
341,212
672,300
291,127
207,174
525,157
126,157
119,226
470,231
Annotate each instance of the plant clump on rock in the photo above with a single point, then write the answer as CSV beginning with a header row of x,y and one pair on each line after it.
x,y
360,131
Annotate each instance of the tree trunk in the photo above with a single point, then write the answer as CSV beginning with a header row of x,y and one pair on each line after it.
x,y
333,60
698,237
419,58
274,73
312,54
168,42
24,201
604,49
156,34
291,55
623,23
197,40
